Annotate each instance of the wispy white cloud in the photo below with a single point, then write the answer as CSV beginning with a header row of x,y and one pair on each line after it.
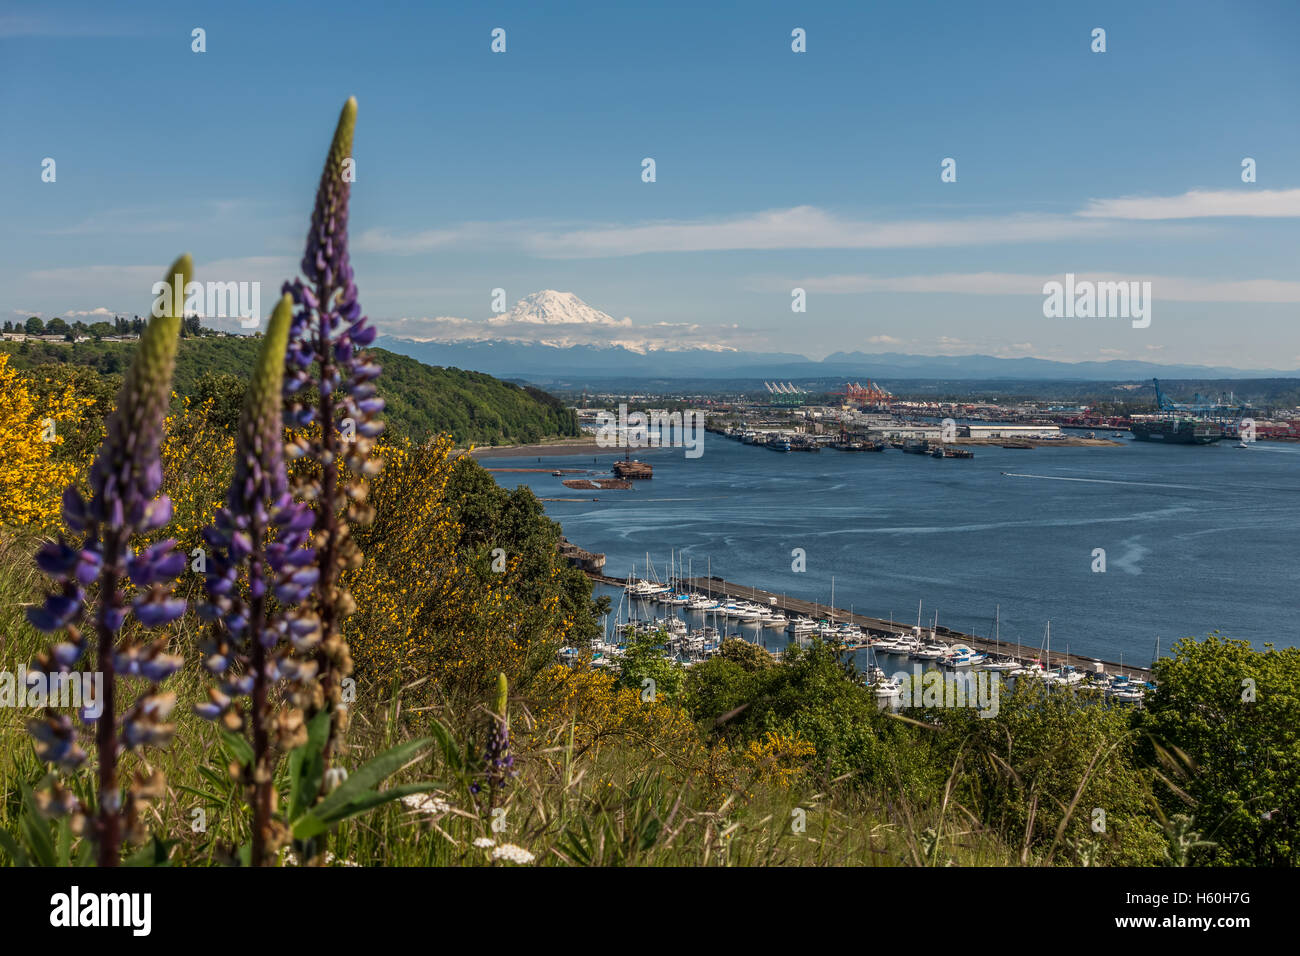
x,y
809,227
1200,204
1168,288
805,227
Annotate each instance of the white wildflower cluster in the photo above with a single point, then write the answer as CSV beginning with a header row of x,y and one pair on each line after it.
x,y
512,854
330,860
426,803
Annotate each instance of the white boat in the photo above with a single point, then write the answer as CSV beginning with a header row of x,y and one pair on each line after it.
x,y
888,692
959,655
644,589
774,619
1064,676
928,646
900,644
801,625
747,613
1032,669
1125,691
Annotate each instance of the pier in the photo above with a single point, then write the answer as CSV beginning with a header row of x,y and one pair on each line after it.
x,y
716,587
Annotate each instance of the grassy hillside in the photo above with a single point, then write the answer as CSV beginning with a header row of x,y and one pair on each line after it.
x,y
422,400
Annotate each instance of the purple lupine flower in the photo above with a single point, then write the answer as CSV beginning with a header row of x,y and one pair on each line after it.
x,y
123,503
261,536
256,575
327,347
498,761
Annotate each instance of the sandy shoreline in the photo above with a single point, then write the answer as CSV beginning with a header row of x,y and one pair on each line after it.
x,y
572,446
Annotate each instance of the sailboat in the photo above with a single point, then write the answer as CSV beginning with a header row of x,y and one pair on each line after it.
x,y
998,662
1035,668
1065,675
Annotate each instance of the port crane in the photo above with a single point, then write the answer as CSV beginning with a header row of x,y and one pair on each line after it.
x,y
1227,405
870,394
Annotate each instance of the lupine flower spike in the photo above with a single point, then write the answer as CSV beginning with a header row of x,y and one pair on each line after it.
x,y
124,502
498,762
330,332
259,572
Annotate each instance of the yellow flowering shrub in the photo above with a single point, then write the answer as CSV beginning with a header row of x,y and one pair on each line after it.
x,y
599,711
32,476
778,757
429,604
198,461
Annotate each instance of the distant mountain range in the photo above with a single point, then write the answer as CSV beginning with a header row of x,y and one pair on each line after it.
x,y
554,338
546,364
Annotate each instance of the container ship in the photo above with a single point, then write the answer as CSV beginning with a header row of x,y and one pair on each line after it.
x,y
1178,432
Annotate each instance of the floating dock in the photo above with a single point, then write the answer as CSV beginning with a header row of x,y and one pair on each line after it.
x,y
716,587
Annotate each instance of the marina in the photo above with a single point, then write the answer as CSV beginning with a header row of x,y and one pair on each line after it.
x,y
752,609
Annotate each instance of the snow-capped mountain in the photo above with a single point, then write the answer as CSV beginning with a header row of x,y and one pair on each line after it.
x,y
556,320
549,307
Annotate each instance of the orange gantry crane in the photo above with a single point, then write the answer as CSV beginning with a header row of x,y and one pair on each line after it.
x,y
870,394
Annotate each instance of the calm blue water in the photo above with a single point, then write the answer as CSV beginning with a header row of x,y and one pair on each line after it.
x,y
1196,538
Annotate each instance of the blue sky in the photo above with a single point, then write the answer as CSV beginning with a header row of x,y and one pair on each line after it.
x,y
819,170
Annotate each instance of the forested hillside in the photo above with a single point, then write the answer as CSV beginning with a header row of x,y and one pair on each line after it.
x,y
422,400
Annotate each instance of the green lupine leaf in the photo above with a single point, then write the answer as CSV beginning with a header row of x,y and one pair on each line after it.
x,y
370,775
237,748
312,825
307,766
450,751
36,833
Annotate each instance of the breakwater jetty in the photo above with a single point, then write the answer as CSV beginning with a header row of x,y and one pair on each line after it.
x,y
716,587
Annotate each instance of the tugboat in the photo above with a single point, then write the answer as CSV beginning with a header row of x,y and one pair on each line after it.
x,y
943,451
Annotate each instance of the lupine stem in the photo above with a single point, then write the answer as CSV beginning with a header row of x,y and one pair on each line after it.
x,y
329,524
109,826
259,717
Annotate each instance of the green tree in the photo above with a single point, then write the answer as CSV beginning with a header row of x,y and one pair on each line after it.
x,y
1224,726
226,392
35,326
644,661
